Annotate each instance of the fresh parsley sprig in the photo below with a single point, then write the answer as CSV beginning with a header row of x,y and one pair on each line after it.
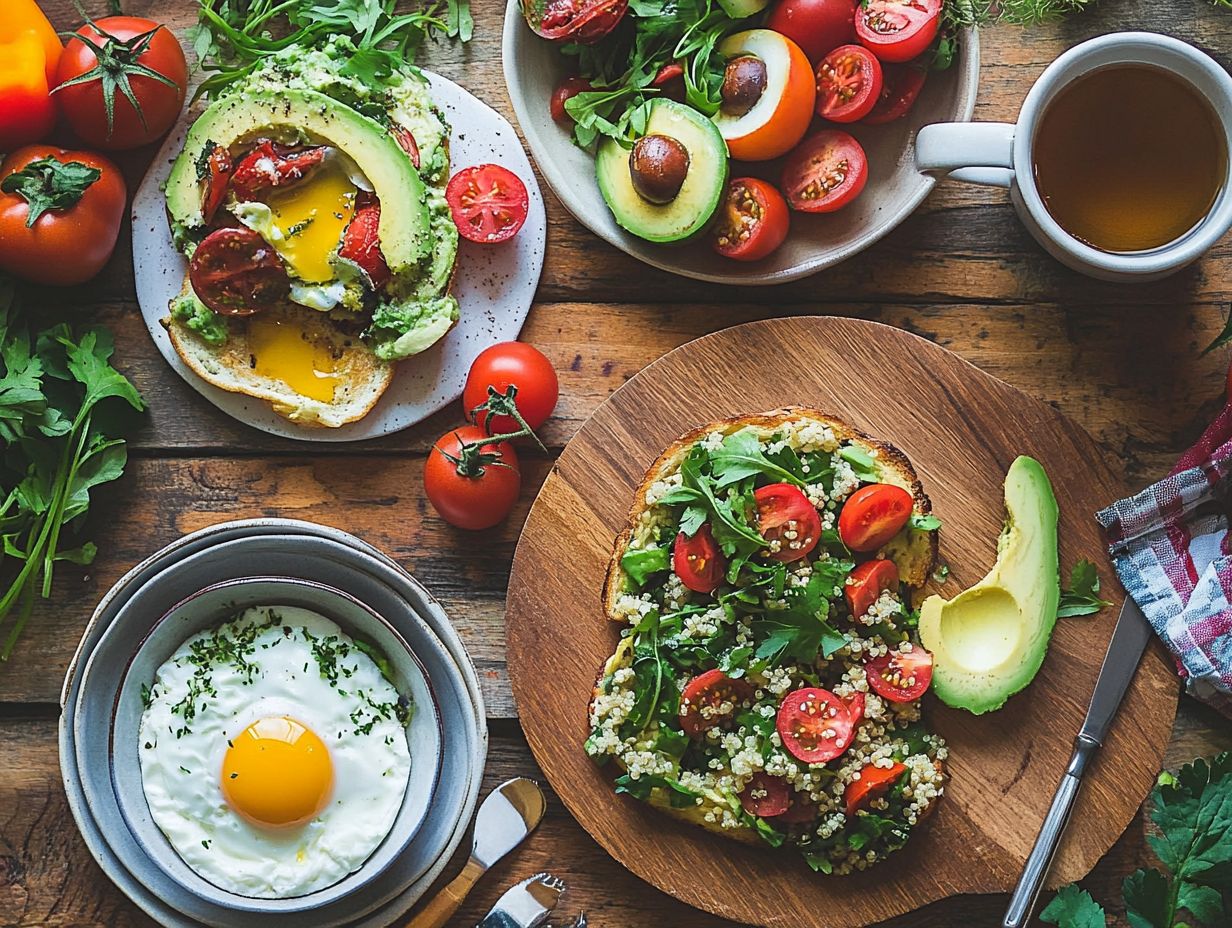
x,y
1082,597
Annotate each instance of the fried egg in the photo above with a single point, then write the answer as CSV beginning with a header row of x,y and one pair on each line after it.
x,y
274,753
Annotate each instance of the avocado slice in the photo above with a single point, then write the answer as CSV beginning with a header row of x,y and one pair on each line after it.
x,y
306,115
989,641
691,209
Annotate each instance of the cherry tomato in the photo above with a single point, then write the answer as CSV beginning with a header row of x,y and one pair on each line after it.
x,y
897,30
848,84
785,516
825,173
766,796
217,181
236,273
855,707
901,676
670,81
489,203
471,502
512,364
128,43
698,562
817,26
270,165
703,698
814,725
582,21
800,809
66,244
361,241
752,220
565,91
873,782
873,515
867,582
406,139
900,85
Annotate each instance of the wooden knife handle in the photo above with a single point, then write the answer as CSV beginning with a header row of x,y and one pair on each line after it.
x,y
441,907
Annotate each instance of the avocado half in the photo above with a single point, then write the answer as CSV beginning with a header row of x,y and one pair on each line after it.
x,y
303,114
989,641
699,197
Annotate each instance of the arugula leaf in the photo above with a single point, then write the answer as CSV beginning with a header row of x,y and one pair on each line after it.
x,y
801,630
862,463
768,832
640,564
740,456
1074,908
679,796
1082,596
729,516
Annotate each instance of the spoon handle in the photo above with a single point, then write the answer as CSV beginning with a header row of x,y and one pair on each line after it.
x,y
438,910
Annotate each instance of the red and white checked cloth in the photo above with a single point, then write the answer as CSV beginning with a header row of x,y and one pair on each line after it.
x,y
1171,548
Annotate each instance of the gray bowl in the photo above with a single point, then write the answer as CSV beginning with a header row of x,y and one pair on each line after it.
x,y
212,606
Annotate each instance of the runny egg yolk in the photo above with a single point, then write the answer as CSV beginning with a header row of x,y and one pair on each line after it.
x,y
312,215
277,773
280,351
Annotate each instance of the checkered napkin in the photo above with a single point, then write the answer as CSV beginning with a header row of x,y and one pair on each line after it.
x,y
1172,551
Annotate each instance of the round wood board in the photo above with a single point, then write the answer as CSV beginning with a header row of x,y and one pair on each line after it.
x,y
961,428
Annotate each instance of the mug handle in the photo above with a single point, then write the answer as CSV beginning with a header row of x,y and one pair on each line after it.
x,y
972,152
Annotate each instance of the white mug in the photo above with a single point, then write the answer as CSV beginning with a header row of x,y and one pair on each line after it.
x,y
999,154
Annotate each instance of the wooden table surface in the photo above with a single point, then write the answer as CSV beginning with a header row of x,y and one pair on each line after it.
x,y
1123,361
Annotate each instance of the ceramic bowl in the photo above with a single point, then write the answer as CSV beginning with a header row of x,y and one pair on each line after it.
x,y
533,68
211,607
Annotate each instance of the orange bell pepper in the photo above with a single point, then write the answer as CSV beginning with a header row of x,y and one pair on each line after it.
x,y
29,53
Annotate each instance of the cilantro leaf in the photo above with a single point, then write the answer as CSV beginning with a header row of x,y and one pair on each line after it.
x,y
1074,908
1082,597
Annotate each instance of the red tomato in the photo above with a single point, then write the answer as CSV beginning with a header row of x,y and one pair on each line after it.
x,y
817,26
489,203
125,44
703,697
471,501
271,165
236,273
361,242
565,91
855,708
698,562
900,85
512,364
873,782
66,244
670,81
406,139
217,182
800,809
583,21
766,796
898,30
873,515
825,172
752,220
814,725
901,676
867,582
848,84
785,515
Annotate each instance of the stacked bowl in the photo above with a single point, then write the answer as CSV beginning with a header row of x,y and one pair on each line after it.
x,y
200,581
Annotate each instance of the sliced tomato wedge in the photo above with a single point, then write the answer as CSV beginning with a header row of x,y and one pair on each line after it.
x,y
753,220
897,30
270,165
236,273
361,242
217,180
814,725
901,676
787,520
406,139
698,562
825,172
873,515
582,21
848,84
873,782
867,582
703,700
565,91
855,708
900,85
489,203
766,796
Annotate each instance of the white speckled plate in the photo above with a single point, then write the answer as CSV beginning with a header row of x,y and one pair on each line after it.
x,y
495,284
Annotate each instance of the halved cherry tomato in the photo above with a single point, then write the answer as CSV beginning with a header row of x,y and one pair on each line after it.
x,y
271,165
406,139
800,809
766,796
785,516
670,81
855,707
236,273
361,242
216,182
848,84
900,85
873,782
752,221
701,703
697,561
781,113
489,203
867,582
817,26
814,725
565,91
582,21
825,172
873,515
901,676
897,30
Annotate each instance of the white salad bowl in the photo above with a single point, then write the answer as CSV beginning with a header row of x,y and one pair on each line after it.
x,y
534,66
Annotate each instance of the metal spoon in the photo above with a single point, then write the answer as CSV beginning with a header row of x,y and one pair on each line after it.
x,y
509,814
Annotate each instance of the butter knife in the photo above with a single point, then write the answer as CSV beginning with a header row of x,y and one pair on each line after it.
x,y
526,905
1129,640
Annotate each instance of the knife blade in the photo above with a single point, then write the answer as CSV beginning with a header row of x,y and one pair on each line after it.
x,y
1129,640
527,904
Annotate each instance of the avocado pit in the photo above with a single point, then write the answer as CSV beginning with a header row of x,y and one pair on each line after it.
x,y
658,166
744,82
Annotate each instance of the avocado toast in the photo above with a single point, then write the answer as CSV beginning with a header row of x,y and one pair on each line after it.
x,y
767,679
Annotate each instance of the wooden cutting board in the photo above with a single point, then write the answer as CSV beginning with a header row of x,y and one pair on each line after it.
x,y
961,428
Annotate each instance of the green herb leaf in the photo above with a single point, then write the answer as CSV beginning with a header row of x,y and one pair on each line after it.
x,y
740,456
1223,338
679,796
1147,899
50,184
800,631
862,463
1082,597
641,564
923,522
1074,908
